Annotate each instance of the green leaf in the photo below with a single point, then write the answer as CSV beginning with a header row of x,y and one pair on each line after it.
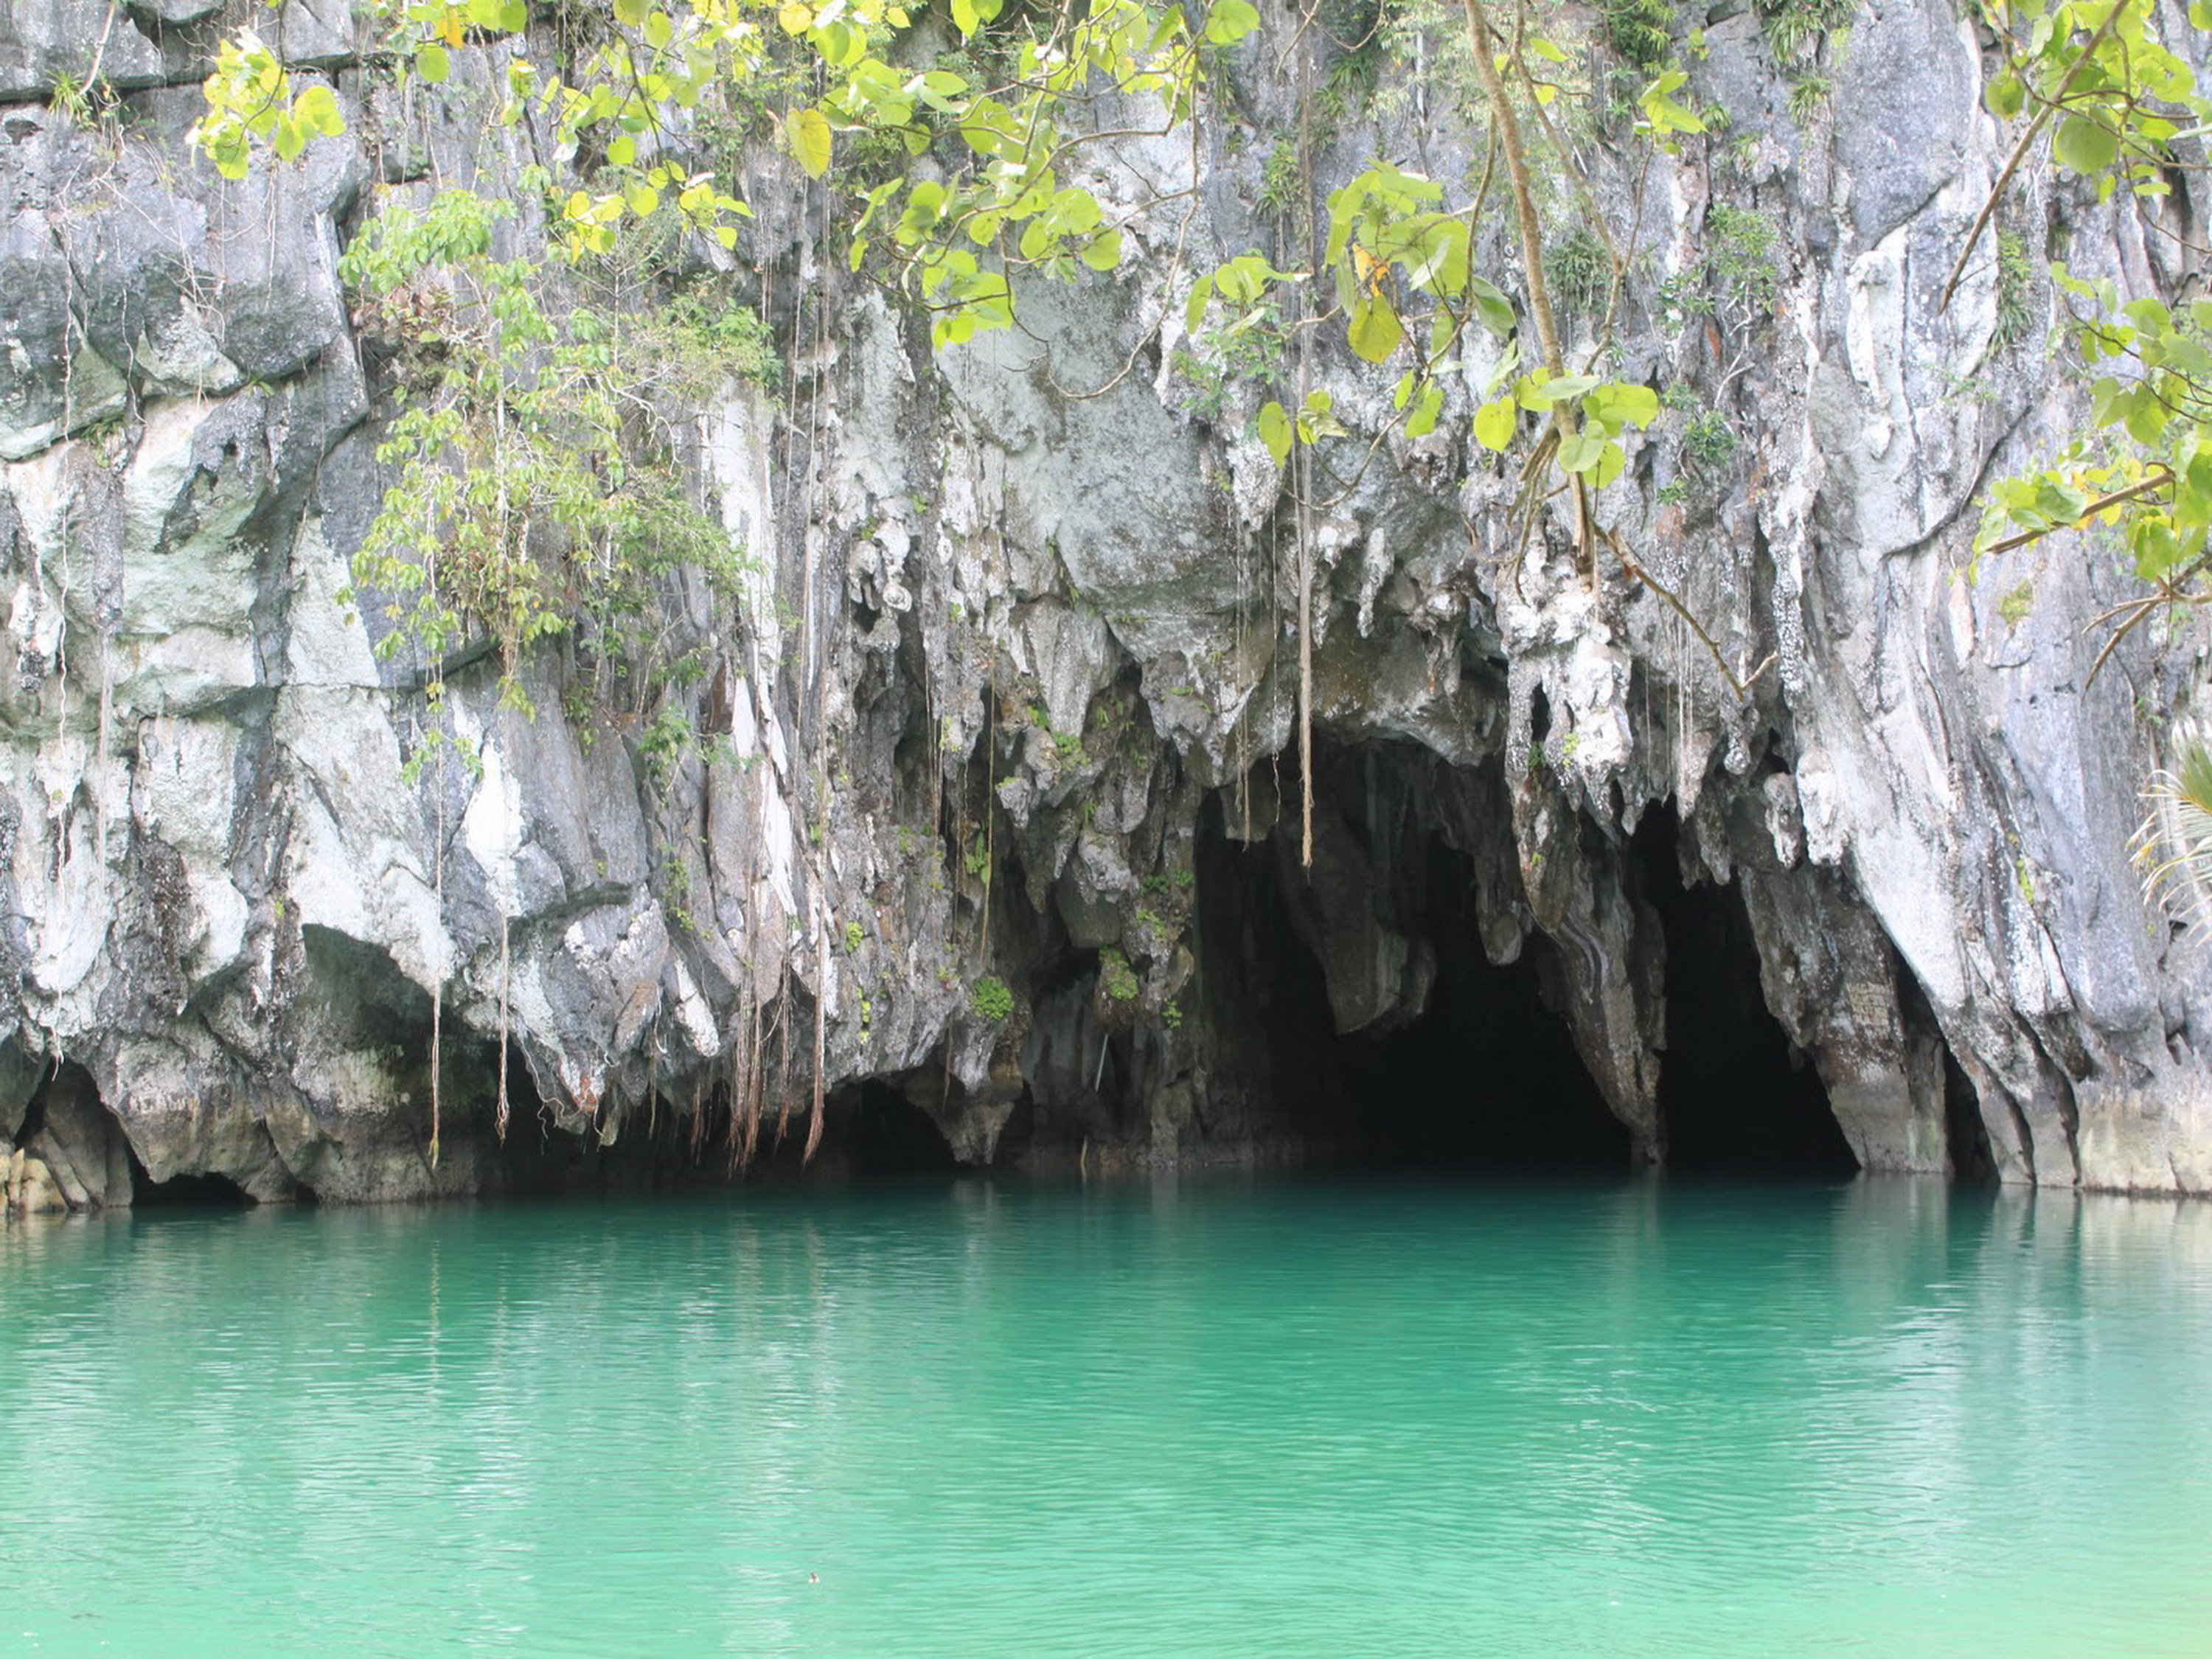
x,y
2146,419
1230,21
2085,146
2006,97
1580,451
1492,305
1375,331
965,18
1423,421
1103,252
1194,315
1495,423
1622,402
1611,460
810,140
433,62
316,110
1275,431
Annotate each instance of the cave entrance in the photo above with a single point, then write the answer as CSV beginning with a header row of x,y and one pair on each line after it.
x,y
198,1192
883,1131
1451,1061
1736,1096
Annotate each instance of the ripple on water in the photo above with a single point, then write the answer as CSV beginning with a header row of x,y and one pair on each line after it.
x,y
1215,1417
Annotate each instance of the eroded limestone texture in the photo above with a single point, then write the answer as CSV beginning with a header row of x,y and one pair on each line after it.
x,y
994,813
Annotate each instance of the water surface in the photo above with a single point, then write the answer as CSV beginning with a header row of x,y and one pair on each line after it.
x,y
1214,1417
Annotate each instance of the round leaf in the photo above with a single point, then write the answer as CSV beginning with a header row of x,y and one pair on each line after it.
x,y
810,140
1376,330
2084,146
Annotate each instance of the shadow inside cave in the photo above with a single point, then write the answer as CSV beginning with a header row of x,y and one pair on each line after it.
x,y
1736,1096
1476,1069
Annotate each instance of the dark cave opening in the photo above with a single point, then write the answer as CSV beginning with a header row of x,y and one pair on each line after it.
x,y
882,1131
199,1191
1488,1075
1475,1071
1735,1094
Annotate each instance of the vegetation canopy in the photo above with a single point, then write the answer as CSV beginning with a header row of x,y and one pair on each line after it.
x,y
958,141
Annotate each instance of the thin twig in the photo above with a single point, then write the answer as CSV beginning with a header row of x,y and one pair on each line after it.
x,y
2020,152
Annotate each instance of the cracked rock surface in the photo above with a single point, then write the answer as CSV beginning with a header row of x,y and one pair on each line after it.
x,y
994,805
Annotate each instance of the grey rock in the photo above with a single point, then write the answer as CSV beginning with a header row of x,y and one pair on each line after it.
x,y
1015,685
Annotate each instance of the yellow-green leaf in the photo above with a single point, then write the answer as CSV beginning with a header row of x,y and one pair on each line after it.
x,y
1230,21
2081,145
1376,330
810,140
1494,423
1423,421
1275,431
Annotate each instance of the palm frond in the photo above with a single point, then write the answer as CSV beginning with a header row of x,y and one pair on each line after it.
x,y
2173,847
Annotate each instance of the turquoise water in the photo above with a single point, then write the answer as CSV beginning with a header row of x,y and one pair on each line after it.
x,y
1203,1418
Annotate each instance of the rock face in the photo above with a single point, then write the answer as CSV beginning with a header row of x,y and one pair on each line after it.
x,y
989,813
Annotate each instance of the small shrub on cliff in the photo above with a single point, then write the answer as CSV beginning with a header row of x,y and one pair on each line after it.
x,y
536,443
1639,30
990,997
1116,978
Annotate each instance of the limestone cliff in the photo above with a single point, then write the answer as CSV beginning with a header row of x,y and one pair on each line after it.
x,y
993,806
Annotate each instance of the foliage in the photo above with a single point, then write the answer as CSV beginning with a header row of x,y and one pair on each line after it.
x,y
1248,347
2015,278
250,99
1739,276
538,484
664,741
2115,99
1796,29
1282,180
990,999
1580,269
702,341
2121,107
1001,202
1639,30
2173,848
1116,978
1808,93
1743,261
651,104
1709,440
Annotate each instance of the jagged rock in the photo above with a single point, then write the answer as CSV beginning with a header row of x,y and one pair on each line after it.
x,y
1016,677
42,42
